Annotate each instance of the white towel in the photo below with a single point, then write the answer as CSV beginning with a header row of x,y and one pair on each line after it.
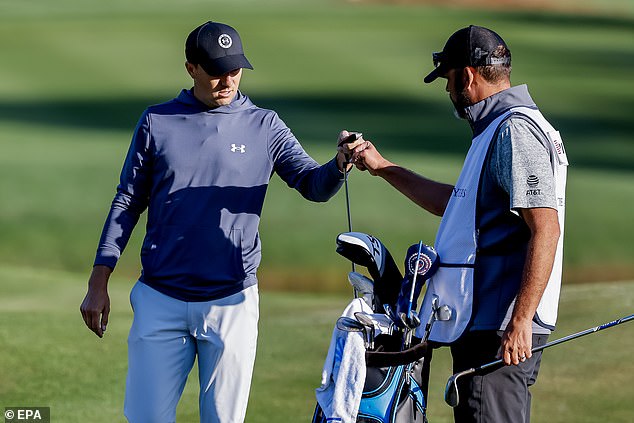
x,y
343,375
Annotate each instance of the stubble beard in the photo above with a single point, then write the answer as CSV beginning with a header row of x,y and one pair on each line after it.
x,y
462,100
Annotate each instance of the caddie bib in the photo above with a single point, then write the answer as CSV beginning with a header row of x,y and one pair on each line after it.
x,y
457,237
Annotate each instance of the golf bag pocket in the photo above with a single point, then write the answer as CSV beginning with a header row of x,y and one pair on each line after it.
x,y
393,394
452,285
394,390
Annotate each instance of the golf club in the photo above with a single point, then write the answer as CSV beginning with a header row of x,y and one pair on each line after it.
x,y
363,287
369,325
411,322
389,311
451,390
348,324
442,313
430,321
352,137
382,324
421,262
410,318
416,266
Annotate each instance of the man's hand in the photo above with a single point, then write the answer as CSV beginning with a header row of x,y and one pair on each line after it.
x,y
367,157
95,308
430,195
361,153
517,342
346,143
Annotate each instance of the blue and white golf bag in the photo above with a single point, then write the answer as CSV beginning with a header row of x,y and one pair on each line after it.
x,y
395,388
396,374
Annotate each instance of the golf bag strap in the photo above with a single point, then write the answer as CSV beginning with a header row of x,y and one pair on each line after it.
x,y
397,358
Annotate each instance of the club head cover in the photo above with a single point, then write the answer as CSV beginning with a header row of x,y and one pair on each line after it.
x,y
368,251
427,265
364,250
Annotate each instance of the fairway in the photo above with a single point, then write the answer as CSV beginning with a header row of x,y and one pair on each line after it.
x,y
75,75
50,359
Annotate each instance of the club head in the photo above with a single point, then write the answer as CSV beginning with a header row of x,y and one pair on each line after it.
x,y
384,324
362,284
433,316
434,302
414,320
403,318
451,391
363,287
348,324
443,313
389,311
364,319
369,327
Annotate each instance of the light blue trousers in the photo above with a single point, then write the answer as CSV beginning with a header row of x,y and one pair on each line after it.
x,y
166,337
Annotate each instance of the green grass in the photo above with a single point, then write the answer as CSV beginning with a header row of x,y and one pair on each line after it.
x,y
49,358
69,100
75,75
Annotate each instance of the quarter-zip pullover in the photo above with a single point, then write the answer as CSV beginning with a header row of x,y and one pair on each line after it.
x,y
202,174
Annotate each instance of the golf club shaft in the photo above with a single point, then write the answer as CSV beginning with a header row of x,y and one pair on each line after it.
x,y
407,335
351,137
451,390
562,340
411,294
345,184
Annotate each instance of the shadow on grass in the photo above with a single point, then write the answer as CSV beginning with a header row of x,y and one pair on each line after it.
x,y
395,124
573,20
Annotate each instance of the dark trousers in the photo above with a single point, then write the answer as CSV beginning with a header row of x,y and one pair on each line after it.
x,y
500,395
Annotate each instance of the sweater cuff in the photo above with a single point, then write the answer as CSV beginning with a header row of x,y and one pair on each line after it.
x,y
103,260
333,169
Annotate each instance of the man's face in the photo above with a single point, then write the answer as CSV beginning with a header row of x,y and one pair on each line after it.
x,y
214,90
457,91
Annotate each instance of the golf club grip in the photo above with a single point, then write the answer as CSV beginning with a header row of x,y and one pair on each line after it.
x,y
352,137
565,339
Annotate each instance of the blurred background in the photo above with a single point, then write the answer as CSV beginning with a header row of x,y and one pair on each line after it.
x,y
76,75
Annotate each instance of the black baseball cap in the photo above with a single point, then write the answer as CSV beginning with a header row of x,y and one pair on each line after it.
x,y
217,48
471,46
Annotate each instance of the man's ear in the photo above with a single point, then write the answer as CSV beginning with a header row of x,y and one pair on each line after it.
x,y
468,77
191,69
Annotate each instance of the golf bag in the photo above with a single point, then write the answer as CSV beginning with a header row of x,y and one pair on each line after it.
x,y
395,388
396,375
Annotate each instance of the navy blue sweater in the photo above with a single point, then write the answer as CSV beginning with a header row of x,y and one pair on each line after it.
x,y
202,174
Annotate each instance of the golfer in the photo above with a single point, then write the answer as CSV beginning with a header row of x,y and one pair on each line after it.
x,y
500,237
200,164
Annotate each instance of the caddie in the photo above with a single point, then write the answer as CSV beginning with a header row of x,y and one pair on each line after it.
x,y
501,234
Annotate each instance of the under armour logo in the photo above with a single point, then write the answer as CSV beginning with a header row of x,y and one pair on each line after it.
x,y
241,148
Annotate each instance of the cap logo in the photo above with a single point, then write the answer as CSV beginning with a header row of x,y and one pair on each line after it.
x,y
479,53
225,41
